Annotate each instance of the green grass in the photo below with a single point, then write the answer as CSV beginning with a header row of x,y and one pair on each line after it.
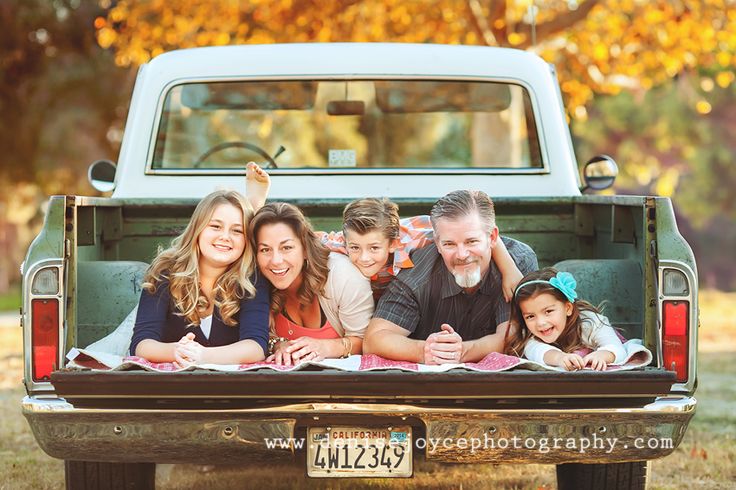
x,y
10,300
706,459
22,463
427,476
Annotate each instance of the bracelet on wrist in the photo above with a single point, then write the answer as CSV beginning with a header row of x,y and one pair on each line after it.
x,y
348,347
273,341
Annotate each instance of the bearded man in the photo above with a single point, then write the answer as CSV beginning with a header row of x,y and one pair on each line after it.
x,y
449,307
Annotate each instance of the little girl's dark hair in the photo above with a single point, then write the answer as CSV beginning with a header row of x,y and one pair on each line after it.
x,y
571,338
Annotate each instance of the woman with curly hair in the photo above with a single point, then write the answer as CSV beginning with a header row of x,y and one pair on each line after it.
x,y
202,301
320,303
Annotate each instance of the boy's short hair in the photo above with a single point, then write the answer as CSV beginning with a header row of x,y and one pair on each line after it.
x,y
370,214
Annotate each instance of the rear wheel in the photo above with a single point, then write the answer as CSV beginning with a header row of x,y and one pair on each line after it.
x,y
88,475
610,476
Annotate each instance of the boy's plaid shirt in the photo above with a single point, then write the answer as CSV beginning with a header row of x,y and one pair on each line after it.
x,y
414,233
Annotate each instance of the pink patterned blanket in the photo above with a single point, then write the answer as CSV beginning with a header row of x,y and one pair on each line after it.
x,y
638,356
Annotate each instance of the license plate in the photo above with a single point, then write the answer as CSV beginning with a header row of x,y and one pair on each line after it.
x,y
359,452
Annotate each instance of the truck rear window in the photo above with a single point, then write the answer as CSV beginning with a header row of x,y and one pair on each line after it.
x,y
334,125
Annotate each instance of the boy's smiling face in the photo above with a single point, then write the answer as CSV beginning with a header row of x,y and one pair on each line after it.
x,y
370,251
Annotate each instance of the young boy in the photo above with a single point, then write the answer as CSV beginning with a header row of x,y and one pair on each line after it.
x,y
377,241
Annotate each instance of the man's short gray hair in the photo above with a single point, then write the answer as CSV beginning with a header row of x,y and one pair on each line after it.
x,y
458,204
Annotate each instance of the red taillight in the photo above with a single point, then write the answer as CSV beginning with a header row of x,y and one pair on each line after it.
x,y
675,316
44,337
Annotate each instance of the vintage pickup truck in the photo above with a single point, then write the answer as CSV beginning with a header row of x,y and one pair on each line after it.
x,y
333,123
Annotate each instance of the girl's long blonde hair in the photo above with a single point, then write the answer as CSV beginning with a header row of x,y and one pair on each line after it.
x,y
315,269
569,340
179,265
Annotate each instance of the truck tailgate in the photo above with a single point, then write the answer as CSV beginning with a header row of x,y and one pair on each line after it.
x,y
202,388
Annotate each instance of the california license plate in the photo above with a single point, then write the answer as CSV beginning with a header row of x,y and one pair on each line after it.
x,y
359,452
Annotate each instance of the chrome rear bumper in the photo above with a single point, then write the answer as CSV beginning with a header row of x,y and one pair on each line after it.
x,y
442,434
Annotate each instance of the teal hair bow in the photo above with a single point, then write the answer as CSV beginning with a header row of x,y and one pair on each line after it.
x,y
566,284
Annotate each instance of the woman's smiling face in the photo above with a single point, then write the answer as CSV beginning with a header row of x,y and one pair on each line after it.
x,y
280,255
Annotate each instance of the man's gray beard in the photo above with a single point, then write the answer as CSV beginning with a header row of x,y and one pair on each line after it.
x,y
469,279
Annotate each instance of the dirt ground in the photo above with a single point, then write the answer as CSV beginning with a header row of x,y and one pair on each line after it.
x,y
706,459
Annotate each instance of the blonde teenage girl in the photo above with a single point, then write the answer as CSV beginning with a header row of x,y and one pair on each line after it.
x,y
202,301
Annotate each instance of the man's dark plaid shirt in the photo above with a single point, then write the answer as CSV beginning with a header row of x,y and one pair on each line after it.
x,y
424,297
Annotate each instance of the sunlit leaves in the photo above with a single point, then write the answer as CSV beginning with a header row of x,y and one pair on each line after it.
x,y
598,46
703,106
724,78
678,139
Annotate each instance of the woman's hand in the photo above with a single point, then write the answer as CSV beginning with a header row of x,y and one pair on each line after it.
x,y
599,359
310,349
303,349
279,355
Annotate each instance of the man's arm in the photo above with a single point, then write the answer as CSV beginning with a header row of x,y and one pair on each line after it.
x,y
510,274
475,350
522,255
526,260
386,339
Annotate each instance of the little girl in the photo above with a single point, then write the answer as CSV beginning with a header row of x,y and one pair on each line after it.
x,y
201,302
552,324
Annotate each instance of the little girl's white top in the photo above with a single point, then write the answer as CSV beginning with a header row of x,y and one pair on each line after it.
x,y
596,333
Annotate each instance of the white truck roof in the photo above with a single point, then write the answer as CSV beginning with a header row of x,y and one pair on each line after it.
x,y
559,175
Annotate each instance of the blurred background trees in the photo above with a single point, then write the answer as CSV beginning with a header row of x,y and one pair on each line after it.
x,y
62,101
648,82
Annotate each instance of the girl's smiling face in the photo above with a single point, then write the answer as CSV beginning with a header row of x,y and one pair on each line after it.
x,y
545,316
222,241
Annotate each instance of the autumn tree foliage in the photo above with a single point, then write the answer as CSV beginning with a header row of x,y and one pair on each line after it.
x,y
54,89
668,65
598,46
